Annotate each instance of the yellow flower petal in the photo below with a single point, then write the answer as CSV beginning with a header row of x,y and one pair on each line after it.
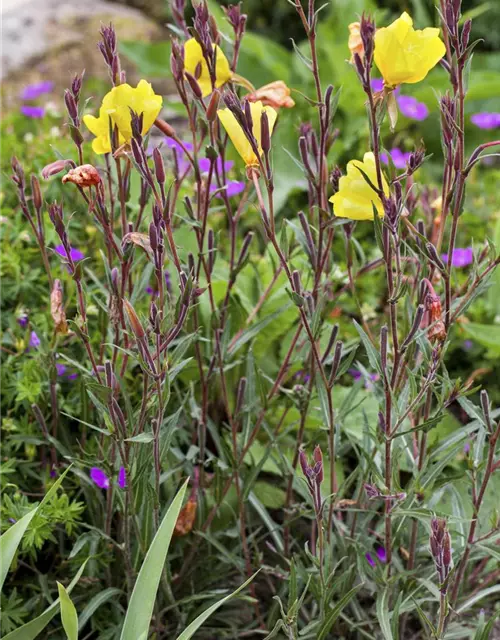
x,y
237,135
355,198
196,65
116,105
405,55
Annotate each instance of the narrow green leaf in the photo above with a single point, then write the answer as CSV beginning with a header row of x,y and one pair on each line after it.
x,y
254,330
69,617
95,603
478,596
383,614
11,539
140,609
196,624
336,611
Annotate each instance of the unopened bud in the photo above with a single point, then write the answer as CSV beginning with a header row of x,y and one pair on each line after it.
x,y
37,194
195,87
213,106
165,128
133,318
54,168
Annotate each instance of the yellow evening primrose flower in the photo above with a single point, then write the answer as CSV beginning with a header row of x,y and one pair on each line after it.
x,y
196,65
237,135
117,105
355,198
405,55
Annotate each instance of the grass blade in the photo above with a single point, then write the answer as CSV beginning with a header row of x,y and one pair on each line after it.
x,y
69,617
336,611
196,624
140,609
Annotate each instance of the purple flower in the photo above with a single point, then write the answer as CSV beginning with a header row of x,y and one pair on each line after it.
x,y
151,292
467,345
486,120
32,112
34,341
173,144
370,560
75,254
357,375
381,554
377,84
72,376
466,448
122,478
204,165
61,369
22,320
460,257
99,478
232,188
34,91
398,157
13,520
412,108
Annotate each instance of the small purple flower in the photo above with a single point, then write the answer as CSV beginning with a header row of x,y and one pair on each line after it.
x,y
32,112
122,478
370,560
13,520
173,144
204,165
99,478
357,375
34,91
412,108
466,448
75,254
22,320
486,120
460,257
381,554
398,157
61,369
35,341
377,84
467,345
152,292
232,188
72,376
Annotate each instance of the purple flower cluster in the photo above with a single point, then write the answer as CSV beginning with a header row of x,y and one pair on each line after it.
x,y
486,120
99,477
357,375
33,92
460,257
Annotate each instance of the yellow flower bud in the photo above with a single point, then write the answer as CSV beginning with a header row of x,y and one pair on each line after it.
x,y
355,198
237,135
196,65
116,105
404,54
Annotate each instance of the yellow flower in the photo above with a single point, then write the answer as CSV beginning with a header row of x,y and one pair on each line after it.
x,y
403,54
355,198
237,135
196,65
117,105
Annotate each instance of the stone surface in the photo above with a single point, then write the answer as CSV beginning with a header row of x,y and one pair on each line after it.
x,y
53,39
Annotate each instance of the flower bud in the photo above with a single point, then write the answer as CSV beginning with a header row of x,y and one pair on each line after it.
x,y
133,318
54,168
165,128
57,308
213,106
35,190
